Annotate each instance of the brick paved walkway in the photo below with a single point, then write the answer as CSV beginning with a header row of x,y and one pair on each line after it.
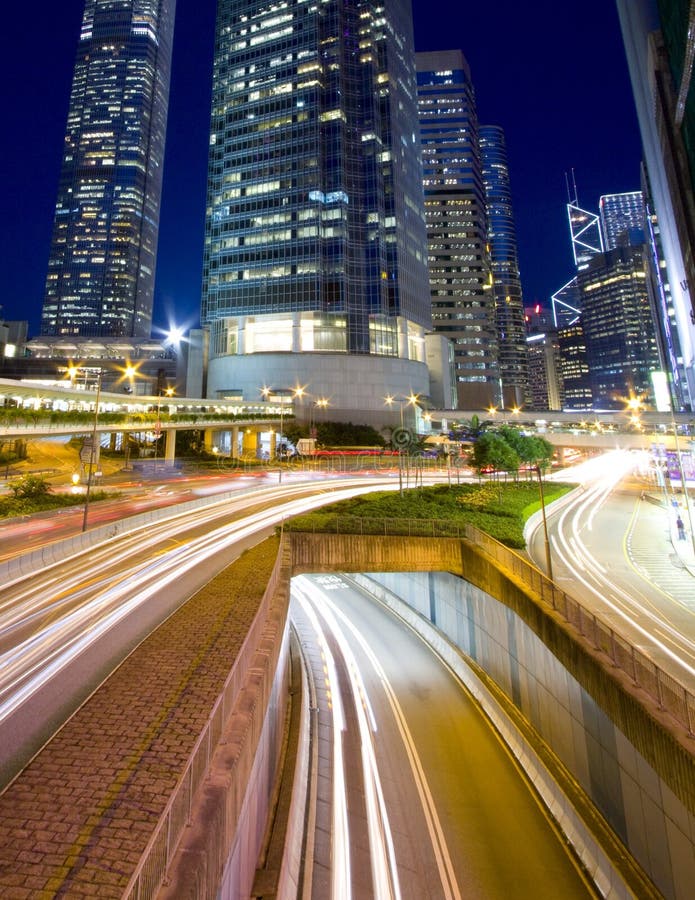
x,y
76,821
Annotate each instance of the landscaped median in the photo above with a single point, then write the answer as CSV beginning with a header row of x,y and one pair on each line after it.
x,y
500,509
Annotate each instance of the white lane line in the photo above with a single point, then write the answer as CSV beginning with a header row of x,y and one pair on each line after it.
x,y
439,846
341,882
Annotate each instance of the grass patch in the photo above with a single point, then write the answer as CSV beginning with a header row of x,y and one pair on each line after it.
x,y
500,510
11,506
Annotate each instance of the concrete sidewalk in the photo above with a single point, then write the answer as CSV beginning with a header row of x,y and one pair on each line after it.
x,y
683,544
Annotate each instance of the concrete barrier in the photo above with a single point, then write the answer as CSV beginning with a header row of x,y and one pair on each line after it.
x,y
50,554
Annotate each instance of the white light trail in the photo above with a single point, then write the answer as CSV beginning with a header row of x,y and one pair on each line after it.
x,y
382,852
333,615
577,558
341,882
77,608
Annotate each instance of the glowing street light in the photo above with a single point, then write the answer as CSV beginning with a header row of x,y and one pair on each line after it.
x,y
168,392
411,400
92,452
548,559
267,392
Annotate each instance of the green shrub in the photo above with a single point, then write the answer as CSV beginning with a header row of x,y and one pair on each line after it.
x,y
500,510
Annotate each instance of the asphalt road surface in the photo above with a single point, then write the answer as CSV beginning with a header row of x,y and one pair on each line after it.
x,y
417,796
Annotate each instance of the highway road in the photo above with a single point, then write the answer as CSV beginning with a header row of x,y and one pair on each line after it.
x,y
135,495
66,627
416,797
611,549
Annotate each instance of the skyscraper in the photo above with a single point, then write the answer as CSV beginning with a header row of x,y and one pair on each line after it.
x,y
622,219
509,304
103,253
463,302
315,269
618,327
660,47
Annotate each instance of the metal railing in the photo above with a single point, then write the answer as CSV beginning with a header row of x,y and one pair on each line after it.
x,y
670,695
154,862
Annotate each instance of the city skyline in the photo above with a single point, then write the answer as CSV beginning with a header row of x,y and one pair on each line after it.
x,y
558,113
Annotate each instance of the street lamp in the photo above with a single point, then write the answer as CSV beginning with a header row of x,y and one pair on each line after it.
x,y
266,393
92,452
403,439
169,392
130,372
548,560
320,403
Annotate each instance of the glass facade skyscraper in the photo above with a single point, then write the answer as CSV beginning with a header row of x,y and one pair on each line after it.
x,y
622,219
618,327
315,250
509,304
101,268
660,46
463,303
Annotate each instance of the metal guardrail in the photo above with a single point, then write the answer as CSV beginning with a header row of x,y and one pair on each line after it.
x,y
152,868
663,688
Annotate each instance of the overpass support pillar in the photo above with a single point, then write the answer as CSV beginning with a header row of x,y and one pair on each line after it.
x,y
273,444
234,449
251,443
208,439
170,446
125,439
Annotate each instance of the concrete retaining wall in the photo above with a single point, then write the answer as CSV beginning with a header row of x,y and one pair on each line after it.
x,y
218,855
637,767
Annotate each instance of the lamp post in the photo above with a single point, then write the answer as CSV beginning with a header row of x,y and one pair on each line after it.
x,y
158,425
403,438
92,452
267,392
548,559
322,403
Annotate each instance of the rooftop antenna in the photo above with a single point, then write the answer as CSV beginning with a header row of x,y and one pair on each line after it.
x,y
571,197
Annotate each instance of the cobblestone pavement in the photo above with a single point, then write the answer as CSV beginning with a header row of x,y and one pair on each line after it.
x,y
77,819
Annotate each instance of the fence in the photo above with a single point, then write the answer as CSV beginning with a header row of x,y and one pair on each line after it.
x,y
667,691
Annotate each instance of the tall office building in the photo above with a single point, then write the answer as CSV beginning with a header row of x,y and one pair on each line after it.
x,y
618,327
315,269
463,303
545,389
101,268
585,231
509,304
622,219
660,47
575,374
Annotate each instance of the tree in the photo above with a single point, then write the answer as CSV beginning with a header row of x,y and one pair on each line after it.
x,y
492,452
30,487
530,448
470,429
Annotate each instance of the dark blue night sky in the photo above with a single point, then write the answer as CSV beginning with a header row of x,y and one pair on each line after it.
x,y
553,75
